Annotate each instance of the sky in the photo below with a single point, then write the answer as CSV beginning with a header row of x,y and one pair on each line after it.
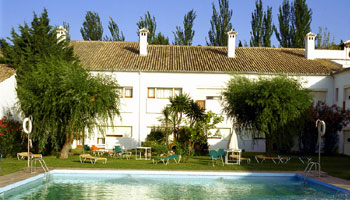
x,y
333,14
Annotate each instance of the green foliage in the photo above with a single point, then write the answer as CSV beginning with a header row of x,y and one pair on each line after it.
x,y
268,27
92,27
114,30
160,39
157,134
65,100
185,37
10,137
265,105
220,24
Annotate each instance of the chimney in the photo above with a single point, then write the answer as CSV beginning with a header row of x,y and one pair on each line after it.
x,y
143,41
310,45
231,43
347,49
61,34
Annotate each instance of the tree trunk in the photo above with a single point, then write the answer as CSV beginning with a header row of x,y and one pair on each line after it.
x,y
268,144
67,146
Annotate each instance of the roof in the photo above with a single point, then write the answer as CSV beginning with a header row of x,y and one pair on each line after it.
x,y
6,72
124,56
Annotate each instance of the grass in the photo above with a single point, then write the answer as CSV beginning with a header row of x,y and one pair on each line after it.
x,y
337,166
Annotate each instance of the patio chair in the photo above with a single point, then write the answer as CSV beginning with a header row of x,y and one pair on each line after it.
x,y
214,156
86,148
222,153
92,159
117,152
262,158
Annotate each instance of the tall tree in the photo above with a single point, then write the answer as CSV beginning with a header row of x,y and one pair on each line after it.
x,y
268,27
284,19
64,99
114,30
92,28
302,17
257,25
185,36
67,27
220,24
267,106
262,27
324,40
149,23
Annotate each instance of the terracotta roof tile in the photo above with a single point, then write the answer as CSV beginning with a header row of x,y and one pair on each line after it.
x,y
124,56
6,72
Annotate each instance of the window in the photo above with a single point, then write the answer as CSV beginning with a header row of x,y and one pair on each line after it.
x,y
214,97
346,94
319,96
118,131
125,92
336,94
163,93
101,141
201,104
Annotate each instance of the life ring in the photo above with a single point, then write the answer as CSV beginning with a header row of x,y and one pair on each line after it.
x,y
321,127
29,121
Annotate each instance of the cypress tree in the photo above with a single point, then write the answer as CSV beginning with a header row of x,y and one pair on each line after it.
x,y
284,20
268,27
257,25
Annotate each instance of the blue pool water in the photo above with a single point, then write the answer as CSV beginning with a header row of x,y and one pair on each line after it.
x,y
170,185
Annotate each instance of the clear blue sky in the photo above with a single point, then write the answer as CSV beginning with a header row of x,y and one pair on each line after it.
x,y
333,14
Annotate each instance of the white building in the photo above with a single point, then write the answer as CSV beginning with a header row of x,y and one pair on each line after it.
x,y
150,74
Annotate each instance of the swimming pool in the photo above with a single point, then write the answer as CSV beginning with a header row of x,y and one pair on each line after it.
x,y
108,184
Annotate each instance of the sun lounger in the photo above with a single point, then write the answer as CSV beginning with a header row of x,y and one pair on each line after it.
x,y
92,159
241,158
167,159
301,159
262,158
23,155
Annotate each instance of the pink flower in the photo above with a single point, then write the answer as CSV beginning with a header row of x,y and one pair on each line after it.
x,y
1,134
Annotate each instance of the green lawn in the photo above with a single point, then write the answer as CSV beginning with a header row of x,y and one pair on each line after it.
x,y
337,166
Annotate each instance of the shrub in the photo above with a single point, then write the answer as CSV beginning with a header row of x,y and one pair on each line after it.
x,y
10,137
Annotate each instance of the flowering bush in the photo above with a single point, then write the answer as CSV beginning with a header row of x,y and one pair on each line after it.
x,y
335,119
10,137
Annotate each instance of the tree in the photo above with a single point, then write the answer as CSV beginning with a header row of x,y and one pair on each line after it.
x,y
302,17
265,105
63,98
160,39
166,114
257,25
66,26
220,24
323,40
92,28
150,23
185,37
114,30
268,27
179,105
284,19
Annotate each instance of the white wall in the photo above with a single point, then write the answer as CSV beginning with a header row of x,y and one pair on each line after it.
x,y
8,97
142,113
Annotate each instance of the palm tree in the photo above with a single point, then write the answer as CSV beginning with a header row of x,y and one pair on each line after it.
x,y
179,105
166,114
